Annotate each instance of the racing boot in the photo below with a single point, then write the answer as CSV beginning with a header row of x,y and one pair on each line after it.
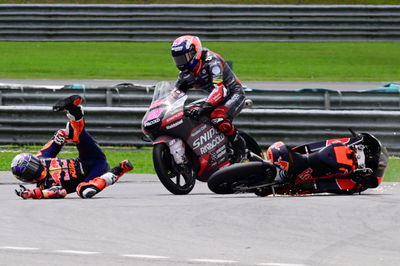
x,y
239,147
72,105
122,168
94,186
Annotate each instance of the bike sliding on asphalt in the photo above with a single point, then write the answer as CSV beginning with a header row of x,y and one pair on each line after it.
x,y
342,166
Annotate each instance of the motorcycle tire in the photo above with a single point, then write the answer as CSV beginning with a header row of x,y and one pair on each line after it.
x,y
169,177
226,180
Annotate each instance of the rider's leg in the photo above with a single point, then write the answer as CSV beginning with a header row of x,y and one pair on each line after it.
x,y
289,162
92,157
75,130
94,186
222,117
225,126
76,124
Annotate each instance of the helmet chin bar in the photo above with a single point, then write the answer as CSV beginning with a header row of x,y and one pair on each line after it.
x,y
27,167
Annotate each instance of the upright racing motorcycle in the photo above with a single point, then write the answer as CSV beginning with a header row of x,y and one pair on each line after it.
x,y
185,149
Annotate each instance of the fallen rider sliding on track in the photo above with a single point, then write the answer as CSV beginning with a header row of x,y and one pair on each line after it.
x,y
88,174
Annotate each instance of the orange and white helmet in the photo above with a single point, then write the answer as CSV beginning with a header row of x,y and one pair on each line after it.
x,y
186,52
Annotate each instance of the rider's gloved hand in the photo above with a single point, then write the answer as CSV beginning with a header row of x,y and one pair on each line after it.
x,y
60,137
194,112
198,111
25,193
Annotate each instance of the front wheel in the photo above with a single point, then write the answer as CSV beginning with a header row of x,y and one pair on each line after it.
x,y
233,178
177,181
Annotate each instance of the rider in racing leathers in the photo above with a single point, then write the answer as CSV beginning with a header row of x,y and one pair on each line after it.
x,y
55,177
332,169
204,69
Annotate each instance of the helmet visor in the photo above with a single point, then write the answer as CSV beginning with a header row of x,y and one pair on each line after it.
x,y
183,60
33,170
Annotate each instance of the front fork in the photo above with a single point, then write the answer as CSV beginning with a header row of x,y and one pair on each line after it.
x,y
177,150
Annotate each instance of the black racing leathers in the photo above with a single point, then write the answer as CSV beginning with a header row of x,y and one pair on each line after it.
x,y
216,77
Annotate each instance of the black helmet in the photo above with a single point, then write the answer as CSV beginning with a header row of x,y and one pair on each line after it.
x,y
27,167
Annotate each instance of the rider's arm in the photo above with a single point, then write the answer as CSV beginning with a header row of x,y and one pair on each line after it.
x,y
219,92
54,192
181,83
54,146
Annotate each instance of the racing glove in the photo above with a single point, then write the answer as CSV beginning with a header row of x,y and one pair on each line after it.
x,y
60,137
198,111
54,192
25,193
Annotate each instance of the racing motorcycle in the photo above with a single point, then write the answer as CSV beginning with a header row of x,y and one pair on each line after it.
x,y
185,149
265,177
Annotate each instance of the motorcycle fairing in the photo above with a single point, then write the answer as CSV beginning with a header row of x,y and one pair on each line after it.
x,y
165,121
211,148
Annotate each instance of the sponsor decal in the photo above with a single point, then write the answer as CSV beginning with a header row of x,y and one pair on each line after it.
x,y
174,124
217,120
276,145
152,122
305,175
219,155
55,170
177,48
282,164
198,131
64,165
172,118
71,167
208,140
211,145
204,138
216,70
343,140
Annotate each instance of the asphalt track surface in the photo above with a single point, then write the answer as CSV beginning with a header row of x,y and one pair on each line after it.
x,y
137,222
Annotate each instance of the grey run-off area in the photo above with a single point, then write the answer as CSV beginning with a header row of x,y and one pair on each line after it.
x,y
267,85
137,222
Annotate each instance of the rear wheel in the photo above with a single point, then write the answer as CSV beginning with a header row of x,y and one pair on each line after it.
x,y
177,181
231,179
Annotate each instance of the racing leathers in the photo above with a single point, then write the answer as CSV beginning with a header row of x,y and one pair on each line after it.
x,y
87,174
331,169
226,96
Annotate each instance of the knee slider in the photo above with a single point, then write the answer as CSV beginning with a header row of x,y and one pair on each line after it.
x,y
223,125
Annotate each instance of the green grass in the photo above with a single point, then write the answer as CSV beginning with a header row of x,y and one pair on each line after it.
x,y
264,2
393,170
141,158
274,61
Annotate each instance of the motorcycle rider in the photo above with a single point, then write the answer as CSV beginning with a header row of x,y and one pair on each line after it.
x,y
204,69
55,177
332,169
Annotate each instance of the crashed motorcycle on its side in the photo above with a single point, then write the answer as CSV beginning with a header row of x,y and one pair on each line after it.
x,y
185,149
344,166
